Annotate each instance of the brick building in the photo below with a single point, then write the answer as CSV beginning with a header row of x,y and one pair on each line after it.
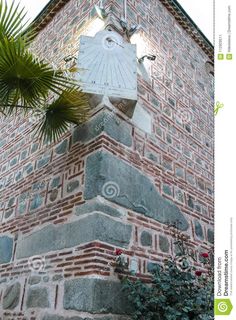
x,y
117,181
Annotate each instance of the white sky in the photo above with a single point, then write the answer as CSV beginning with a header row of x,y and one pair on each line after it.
x,y
200,11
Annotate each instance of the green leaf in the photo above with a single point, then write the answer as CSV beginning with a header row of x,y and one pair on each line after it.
x,y
11,20
71,107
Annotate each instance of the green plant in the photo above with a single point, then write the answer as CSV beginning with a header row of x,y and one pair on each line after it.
x,y
28,84
177,291
121,263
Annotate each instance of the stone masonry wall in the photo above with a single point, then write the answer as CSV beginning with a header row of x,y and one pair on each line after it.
x,y
66,208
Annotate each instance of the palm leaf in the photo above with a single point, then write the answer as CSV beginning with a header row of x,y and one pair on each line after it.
x,y
26,82
71,107
25,79
11,20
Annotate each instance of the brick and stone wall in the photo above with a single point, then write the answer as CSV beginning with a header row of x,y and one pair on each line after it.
x,y
111,183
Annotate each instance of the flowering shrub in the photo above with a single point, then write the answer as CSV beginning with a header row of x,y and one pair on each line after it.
x,y
178,290
121,263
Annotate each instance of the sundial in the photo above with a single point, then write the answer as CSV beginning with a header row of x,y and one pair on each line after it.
x,y
108,67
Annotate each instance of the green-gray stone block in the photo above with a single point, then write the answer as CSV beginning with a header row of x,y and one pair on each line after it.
x,y
36,202
11,296
43,162
28,168
152,266
62,147
22,206
198,230
72,186
96,206
114,179
210,235
57,317
93,227
37,297
55,182
6,247
146,238
95,296
34,147
104,122
34,280
164,244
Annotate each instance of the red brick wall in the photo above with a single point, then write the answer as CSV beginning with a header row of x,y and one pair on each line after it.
x,y
177,156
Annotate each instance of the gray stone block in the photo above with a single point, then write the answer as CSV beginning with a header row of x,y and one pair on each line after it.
x,y
28,168
36,202
72,186
11,296
62,147
95,296
198,230
117,181
93,227
152,266
34,147
96,206
210,235
164,244
57,317
6,246
22,207
53,195
146,238
43,162
34,280
55,182
104,122
37,297
53,317
8,213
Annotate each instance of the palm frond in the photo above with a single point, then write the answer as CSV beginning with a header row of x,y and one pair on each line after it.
x,y
26,82
71,107
25,79
12,20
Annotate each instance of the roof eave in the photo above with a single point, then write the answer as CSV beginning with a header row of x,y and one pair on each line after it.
x,y
50,10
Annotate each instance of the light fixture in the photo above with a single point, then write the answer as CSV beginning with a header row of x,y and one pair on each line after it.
x,y
101,12
69,58
151,57
134,28
124,24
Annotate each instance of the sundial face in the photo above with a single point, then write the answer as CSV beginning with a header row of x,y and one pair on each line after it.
x,y
108,66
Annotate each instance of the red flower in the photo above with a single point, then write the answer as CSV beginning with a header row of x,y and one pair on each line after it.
x,y
198,273
205,255
118,252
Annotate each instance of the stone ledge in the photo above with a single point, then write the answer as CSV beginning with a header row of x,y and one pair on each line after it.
x,y
96,205
93,227
59,317
104,122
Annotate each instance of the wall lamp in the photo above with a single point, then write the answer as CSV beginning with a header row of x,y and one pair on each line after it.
x,y
147,56
69,58
124,24
129,30
134,28
101,12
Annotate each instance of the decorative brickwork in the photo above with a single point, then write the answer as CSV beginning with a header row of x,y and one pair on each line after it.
x,y
112,183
